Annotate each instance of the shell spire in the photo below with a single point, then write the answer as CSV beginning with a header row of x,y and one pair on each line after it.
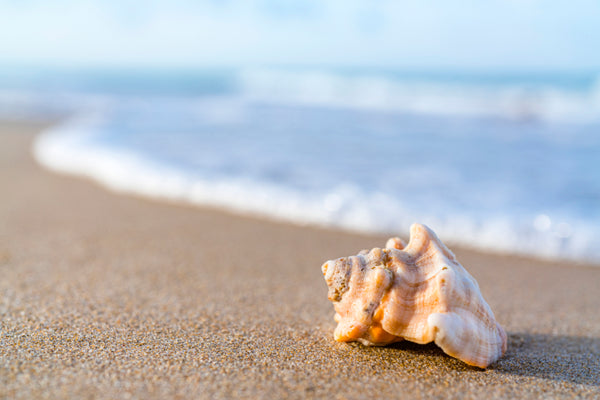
x,y
417,292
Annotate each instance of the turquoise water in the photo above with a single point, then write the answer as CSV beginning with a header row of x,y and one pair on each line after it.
x,y
501,162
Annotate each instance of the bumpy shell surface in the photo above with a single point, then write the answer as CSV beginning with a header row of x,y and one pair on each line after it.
x,y
418,292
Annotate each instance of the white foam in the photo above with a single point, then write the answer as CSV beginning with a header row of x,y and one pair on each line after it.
x,y
515,101
70,148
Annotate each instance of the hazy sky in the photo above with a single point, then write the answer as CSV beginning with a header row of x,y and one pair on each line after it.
x,y
482,34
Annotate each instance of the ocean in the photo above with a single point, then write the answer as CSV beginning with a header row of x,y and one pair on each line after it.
x,y
501,162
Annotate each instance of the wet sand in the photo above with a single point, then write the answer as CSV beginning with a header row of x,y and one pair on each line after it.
x,y
108,296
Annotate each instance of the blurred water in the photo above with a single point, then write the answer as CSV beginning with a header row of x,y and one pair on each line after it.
x,y
502,162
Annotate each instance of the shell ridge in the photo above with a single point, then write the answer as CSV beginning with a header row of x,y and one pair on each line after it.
x,y
467,339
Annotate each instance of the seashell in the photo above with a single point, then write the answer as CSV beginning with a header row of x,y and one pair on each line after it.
x,y
417,292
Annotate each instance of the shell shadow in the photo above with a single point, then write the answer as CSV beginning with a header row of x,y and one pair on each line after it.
x,y
559,358
562,358
554,357
433,351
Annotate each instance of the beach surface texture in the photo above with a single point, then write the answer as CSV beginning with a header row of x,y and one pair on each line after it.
x,y
108,296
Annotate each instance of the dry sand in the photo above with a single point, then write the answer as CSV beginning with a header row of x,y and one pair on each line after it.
x,y
107,296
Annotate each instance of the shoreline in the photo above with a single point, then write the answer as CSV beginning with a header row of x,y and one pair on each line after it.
x,y
104,295
78,148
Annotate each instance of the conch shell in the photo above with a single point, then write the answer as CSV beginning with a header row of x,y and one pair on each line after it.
x,y
418,292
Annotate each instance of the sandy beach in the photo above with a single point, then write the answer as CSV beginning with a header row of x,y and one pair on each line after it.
x,y
109,296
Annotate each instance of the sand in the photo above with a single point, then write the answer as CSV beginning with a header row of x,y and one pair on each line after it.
x,y
109,296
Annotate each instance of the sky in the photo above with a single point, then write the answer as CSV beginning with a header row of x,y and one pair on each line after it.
x,y
468,34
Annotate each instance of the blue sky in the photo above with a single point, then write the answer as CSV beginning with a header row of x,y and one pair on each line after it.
x,y
470,34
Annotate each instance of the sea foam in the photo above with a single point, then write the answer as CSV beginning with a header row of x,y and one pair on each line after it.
x,y
497,186
574,100
505,162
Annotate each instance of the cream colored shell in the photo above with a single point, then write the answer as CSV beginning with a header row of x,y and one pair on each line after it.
x,y
418,292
